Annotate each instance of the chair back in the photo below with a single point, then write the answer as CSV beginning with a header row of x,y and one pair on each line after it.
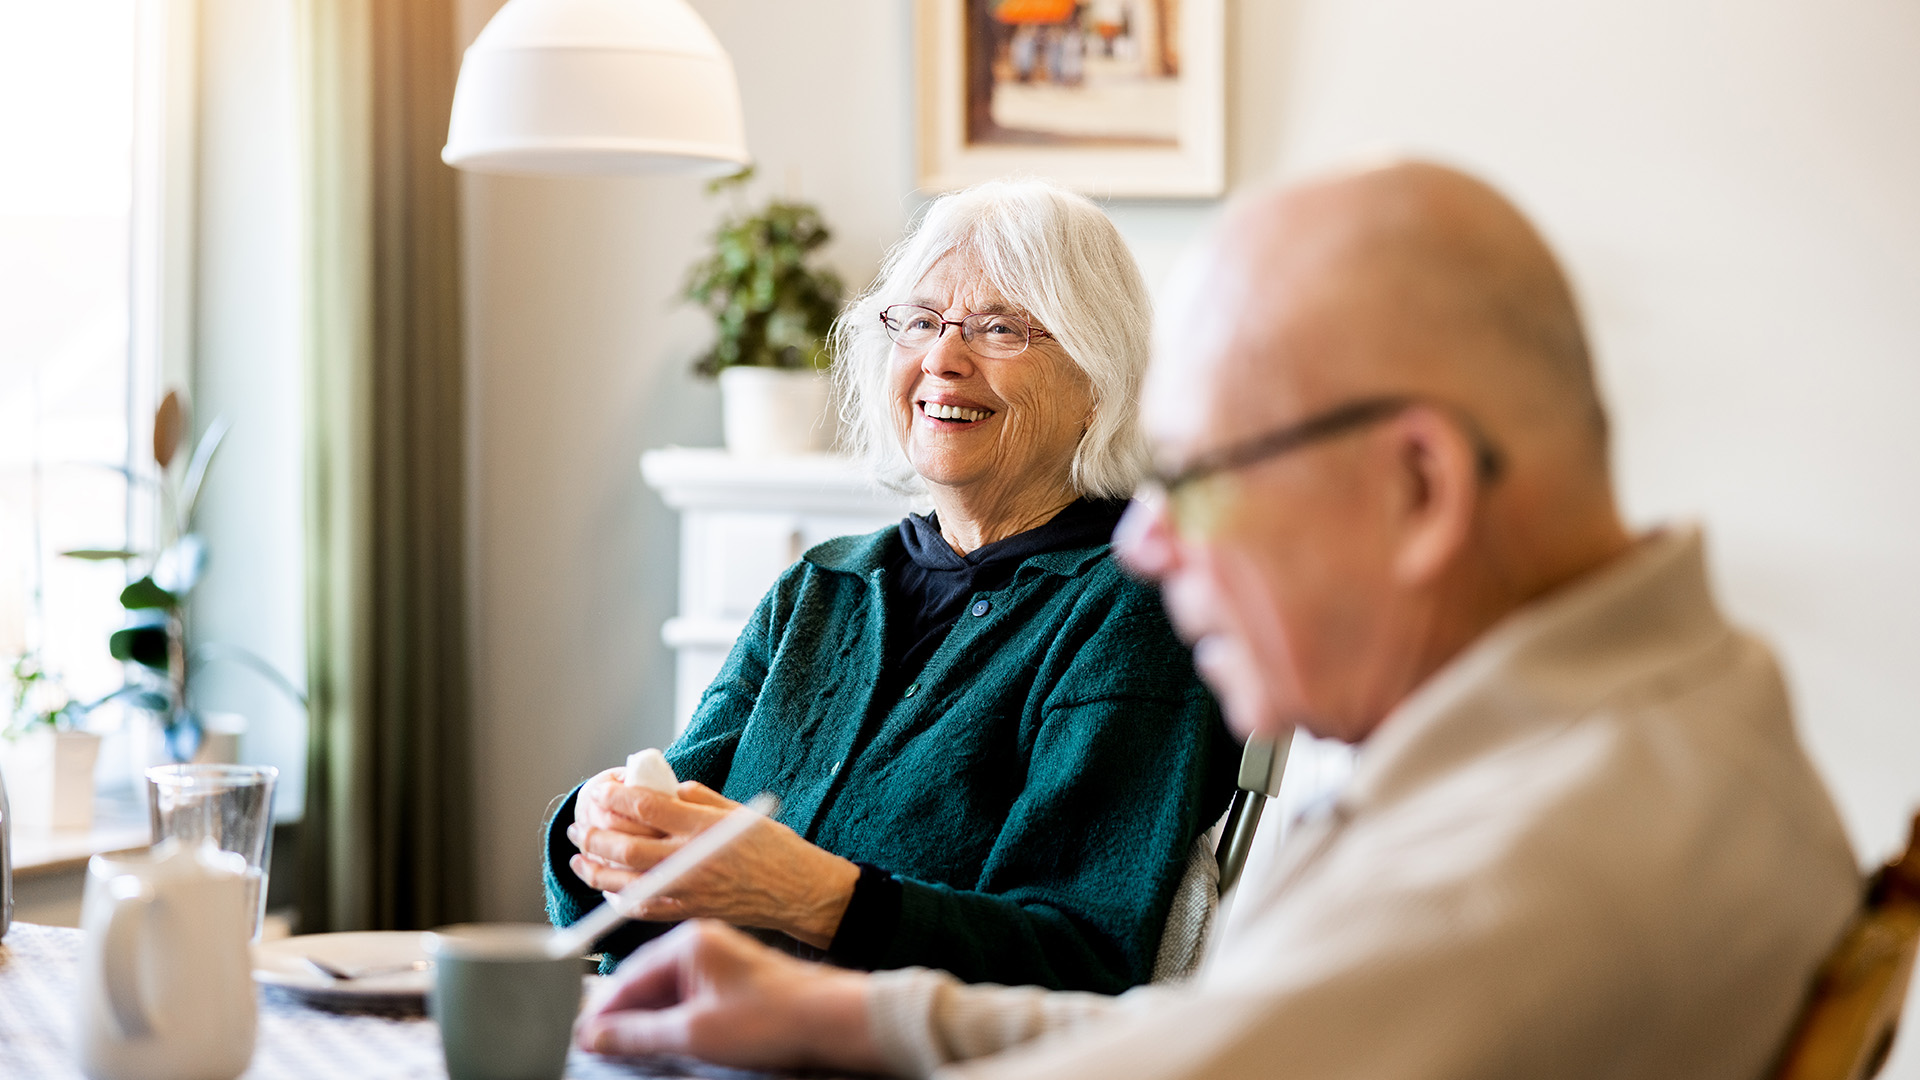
x,y
1196,900
1262,764
1846,1029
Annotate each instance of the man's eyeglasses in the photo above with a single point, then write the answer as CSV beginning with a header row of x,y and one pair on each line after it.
x,y
1195,506
994,336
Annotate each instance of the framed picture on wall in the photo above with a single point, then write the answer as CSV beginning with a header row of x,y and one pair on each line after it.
x,y
1110,97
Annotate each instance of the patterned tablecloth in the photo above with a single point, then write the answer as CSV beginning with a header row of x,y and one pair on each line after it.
x,y
38,968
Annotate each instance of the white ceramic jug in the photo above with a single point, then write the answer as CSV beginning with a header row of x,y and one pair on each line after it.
x,y
166,985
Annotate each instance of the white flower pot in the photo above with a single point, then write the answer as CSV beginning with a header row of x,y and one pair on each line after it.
x,y
219,742
772,412
50,779
220,738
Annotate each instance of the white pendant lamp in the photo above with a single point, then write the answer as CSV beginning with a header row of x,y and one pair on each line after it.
x,y
596,87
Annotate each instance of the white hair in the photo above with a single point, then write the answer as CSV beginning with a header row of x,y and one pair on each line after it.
x,y
1058,258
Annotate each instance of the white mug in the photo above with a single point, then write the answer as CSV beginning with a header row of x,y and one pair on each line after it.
x,y
166,985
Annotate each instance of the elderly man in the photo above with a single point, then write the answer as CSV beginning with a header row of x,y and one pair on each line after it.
x,y
1580,839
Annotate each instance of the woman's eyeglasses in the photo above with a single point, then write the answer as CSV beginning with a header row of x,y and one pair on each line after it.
x,y
989,334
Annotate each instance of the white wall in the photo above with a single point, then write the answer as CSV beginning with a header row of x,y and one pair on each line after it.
x,y
1733,186
247,367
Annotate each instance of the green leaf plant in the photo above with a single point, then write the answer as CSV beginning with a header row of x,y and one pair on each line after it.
x,y
39,700
153,643
772,306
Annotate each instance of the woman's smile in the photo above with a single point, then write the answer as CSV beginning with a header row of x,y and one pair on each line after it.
x,y
948,414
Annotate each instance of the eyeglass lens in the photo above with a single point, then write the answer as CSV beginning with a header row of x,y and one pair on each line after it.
x,y
989,334
1195,508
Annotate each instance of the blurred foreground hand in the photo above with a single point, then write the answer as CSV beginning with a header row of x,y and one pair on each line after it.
x,y
709,991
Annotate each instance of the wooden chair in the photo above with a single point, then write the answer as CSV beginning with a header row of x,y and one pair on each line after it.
x,y
1846,1029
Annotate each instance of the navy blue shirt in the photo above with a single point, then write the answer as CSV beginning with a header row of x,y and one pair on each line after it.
x,y
931,583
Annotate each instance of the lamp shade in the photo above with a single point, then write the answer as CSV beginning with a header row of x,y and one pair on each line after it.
x,y
596,87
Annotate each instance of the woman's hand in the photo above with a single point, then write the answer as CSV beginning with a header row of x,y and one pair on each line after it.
x,y
592,808
711,992
769,877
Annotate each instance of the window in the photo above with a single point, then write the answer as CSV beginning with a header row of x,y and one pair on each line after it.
x,y
72,397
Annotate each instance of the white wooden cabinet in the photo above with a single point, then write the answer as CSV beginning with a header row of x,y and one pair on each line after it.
x,y
742,522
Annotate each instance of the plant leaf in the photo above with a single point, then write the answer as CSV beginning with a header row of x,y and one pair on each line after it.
x,y
141,696
245,657
210,441
169,424
715,187
144,645
145,594
99,554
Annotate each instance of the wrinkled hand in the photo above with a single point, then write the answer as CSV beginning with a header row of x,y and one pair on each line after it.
x,y
769,877
711,992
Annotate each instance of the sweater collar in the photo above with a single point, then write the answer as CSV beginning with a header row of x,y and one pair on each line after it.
x,y
1083,523
862,556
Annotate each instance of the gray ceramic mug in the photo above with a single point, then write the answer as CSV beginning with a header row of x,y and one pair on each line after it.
x,y
505,1010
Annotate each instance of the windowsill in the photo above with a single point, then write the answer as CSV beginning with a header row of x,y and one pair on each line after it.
x,y
119,821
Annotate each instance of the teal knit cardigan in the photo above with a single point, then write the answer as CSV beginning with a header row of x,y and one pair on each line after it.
x,y
1036,790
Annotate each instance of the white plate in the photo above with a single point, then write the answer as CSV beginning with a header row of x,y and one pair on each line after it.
x,y
282,963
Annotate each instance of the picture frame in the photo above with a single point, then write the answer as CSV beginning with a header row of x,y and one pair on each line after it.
x,y
1112,98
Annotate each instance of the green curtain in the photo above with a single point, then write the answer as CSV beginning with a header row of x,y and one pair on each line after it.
x,y
385,839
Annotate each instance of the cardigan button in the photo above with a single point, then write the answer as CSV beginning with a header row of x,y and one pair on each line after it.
x,y
912,690
981,607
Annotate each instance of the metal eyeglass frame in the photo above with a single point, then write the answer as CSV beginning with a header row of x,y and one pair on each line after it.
x,y
1032,330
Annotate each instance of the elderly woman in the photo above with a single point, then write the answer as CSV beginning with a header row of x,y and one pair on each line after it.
x,y
993,756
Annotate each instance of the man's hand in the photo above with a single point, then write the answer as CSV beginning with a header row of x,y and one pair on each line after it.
x,y
710,992
770,877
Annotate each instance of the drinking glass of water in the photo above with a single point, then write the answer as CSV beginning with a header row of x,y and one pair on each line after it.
x,y
231,805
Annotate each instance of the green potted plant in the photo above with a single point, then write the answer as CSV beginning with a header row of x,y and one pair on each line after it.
x,y
154,642
49,758
772,306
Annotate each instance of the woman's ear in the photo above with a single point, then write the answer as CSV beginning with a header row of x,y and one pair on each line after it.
x,y
1439,492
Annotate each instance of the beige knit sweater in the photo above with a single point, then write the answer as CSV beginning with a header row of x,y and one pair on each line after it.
x,y
1590,847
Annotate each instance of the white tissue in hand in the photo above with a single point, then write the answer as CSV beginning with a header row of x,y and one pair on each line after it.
x,y
649,769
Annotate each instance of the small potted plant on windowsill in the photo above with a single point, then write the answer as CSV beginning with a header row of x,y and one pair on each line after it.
x,y
772,309
49,759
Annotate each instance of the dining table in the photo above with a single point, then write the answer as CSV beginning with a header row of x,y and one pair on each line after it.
x,y
39,979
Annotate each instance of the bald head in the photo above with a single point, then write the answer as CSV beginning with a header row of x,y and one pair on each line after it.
x,y
1410,277
1418,326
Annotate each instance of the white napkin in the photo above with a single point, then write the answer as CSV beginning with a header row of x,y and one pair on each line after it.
x,y
649,769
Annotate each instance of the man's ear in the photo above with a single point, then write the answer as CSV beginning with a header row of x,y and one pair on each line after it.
x,y
1439,485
